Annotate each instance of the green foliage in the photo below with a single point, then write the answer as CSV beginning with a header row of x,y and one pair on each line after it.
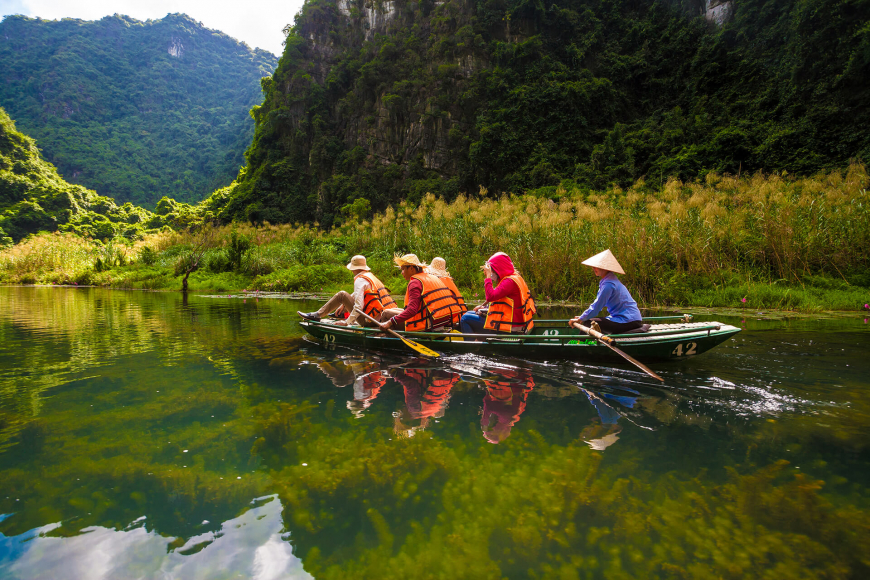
x,y
116,111
517,96
236,249
299,277
148,256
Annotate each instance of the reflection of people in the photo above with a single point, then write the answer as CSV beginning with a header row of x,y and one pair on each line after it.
x,y
623,314
604,430
427,392
369,295
504,402
365,391
367,381
429,303
511,306
438,267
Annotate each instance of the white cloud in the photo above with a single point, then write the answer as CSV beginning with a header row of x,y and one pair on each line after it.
x,y
257,22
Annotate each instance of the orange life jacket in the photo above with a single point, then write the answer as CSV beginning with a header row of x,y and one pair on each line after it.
x,y
438,302
376,297
501,313
448,281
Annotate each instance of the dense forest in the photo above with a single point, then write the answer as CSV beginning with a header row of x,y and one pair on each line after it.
x,y
135,110
375,102
34,198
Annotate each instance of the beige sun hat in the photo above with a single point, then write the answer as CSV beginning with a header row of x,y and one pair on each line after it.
x,y
602,443
438,267
408,260
606,261
358,263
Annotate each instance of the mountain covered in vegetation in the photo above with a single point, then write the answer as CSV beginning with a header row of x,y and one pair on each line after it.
x,y
34,198
135,110
377,101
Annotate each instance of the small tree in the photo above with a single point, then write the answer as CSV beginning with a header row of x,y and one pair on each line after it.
x,y
190,262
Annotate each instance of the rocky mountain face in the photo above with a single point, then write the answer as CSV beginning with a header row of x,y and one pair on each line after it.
x,y
135,110
374,101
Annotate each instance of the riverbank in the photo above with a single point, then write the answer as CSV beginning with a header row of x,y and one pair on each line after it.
x,y
754,243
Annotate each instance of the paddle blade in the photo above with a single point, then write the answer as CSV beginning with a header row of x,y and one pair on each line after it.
x,y
425,351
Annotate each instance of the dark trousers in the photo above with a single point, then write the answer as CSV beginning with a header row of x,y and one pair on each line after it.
x,y
610,327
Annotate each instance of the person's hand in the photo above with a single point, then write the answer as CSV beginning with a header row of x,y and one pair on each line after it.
x,y
574,320
478,307
341,322
340,310
487,270
386,325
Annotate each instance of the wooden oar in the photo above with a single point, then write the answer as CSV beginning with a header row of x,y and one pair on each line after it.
x,y
425,351
606,341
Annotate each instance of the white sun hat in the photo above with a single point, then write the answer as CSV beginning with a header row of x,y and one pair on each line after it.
x,y
358,263
606,261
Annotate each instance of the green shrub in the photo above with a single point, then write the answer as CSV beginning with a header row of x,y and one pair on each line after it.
x,y
148,256
297,278
239,244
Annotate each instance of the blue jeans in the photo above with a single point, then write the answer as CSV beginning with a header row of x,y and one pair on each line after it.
x,y
472,322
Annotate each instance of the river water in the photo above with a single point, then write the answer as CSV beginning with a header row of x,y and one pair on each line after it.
x,y
143,435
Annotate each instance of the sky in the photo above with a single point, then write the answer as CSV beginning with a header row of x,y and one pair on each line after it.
x,y
256,22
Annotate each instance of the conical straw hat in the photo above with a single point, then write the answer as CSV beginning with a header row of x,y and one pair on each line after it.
x,y
606,261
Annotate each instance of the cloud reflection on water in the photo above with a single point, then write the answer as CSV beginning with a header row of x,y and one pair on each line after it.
x,y
249,546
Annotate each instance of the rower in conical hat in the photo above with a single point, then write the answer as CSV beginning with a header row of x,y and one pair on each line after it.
x,y
605,261
623,314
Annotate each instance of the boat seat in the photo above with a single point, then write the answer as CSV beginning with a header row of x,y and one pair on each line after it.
x,y
641,330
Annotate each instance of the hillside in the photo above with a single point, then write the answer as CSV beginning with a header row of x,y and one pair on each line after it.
x,y
375,102
135,110
34,198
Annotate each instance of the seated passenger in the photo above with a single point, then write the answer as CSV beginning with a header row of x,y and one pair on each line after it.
x,y
438,267
369,295
511,306
622,311
429,303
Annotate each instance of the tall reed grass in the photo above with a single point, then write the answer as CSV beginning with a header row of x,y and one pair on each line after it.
x,y
774,240
671,242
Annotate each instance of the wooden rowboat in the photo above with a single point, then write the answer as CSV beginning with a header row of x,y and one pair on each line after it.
x,y
549,340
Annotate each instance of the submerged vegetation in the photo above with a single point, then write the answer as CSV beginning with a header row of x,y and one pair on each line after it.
x,y
754,241
185,418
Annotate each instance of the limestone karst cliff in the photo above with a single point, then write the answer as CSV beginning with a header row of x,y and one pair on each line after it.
x,y
374,102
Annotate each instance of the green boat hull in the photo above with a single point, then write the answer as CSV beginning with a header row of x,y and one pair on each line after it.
x,y
548,342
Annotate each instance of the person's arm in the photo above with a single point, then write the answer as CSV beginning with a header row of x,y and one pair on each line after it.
x,y
504,289
359,291
415,302
604,293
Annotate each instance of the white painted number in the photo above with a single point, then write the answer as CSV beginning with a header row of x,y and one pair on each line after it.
x,y
690,349
551,332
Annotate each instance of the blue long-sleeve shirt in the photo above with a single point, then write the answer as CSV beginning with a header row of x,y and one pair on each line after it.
x,y
621,307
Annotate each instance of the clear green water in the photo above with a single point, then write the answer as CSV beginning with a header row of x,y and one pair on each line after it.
x,y
144,436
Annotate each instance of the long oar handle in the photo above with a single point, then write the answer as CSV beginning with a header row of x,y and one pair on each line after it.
x,y
391,331
608,342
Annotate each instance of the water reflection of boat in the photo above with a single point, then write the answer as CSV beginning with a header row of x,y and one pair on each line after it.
x,y
549,340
